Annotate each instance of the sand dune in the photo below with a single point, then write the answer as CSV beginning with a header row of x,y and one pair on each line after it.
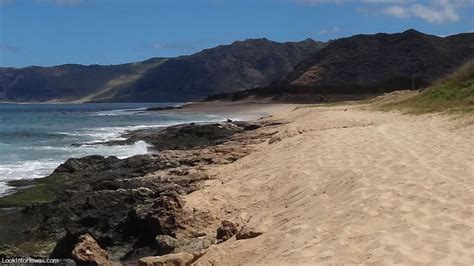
x,y
347,185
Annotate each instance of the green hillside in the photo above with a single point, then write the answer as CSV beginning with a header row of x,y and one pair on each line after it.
x,y
455,93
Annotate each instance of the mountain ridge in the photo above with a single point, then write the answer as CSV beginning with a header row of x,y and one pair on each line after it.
x,y
225,68
133,82
373,60
360,64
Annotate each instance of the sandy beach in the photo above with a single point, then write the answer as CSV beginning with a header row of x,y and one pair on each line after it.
x,y
299,185
346,184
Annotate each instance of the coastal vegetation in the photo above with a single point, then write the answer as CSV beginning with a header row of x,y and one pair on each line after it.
x,y
452,94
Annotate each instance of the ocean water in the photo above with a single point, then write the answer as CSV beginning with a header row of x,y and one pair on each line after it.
x,y
36,138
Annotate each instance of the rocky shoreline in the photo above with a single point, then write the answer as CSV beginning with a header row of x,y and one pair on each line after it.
x,y
127,208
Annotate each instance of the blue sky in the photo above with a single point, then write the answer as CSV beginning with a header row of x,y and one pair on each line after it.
x,y
53,32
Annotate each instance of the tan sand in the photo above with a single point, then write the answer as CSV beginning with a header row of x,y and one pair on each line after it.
x,y
347,185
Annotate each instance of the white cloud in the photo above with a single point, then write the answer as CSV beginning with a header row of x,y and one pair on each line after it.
x,y
435,11
432,11
435,14
396,11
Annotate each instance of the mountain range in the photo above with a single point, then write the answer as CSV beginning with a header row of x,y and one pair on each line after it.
x,y
358,64
383,61
226,68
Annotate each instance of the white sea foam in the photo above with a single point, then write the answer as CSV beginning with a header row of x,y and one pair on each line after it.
x,y
139,147
121,151
24,170
101,134
44,148
119,112
37,169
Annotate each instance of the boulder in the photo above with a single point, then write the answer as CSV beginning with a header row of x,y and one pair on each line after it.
x,y
178,259
249,232
187,136
165,243
226,230
192,245
88,252
74,164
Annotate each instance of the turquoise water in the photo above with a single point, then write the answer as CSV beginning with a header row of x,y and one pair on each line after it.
x,y
36,138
